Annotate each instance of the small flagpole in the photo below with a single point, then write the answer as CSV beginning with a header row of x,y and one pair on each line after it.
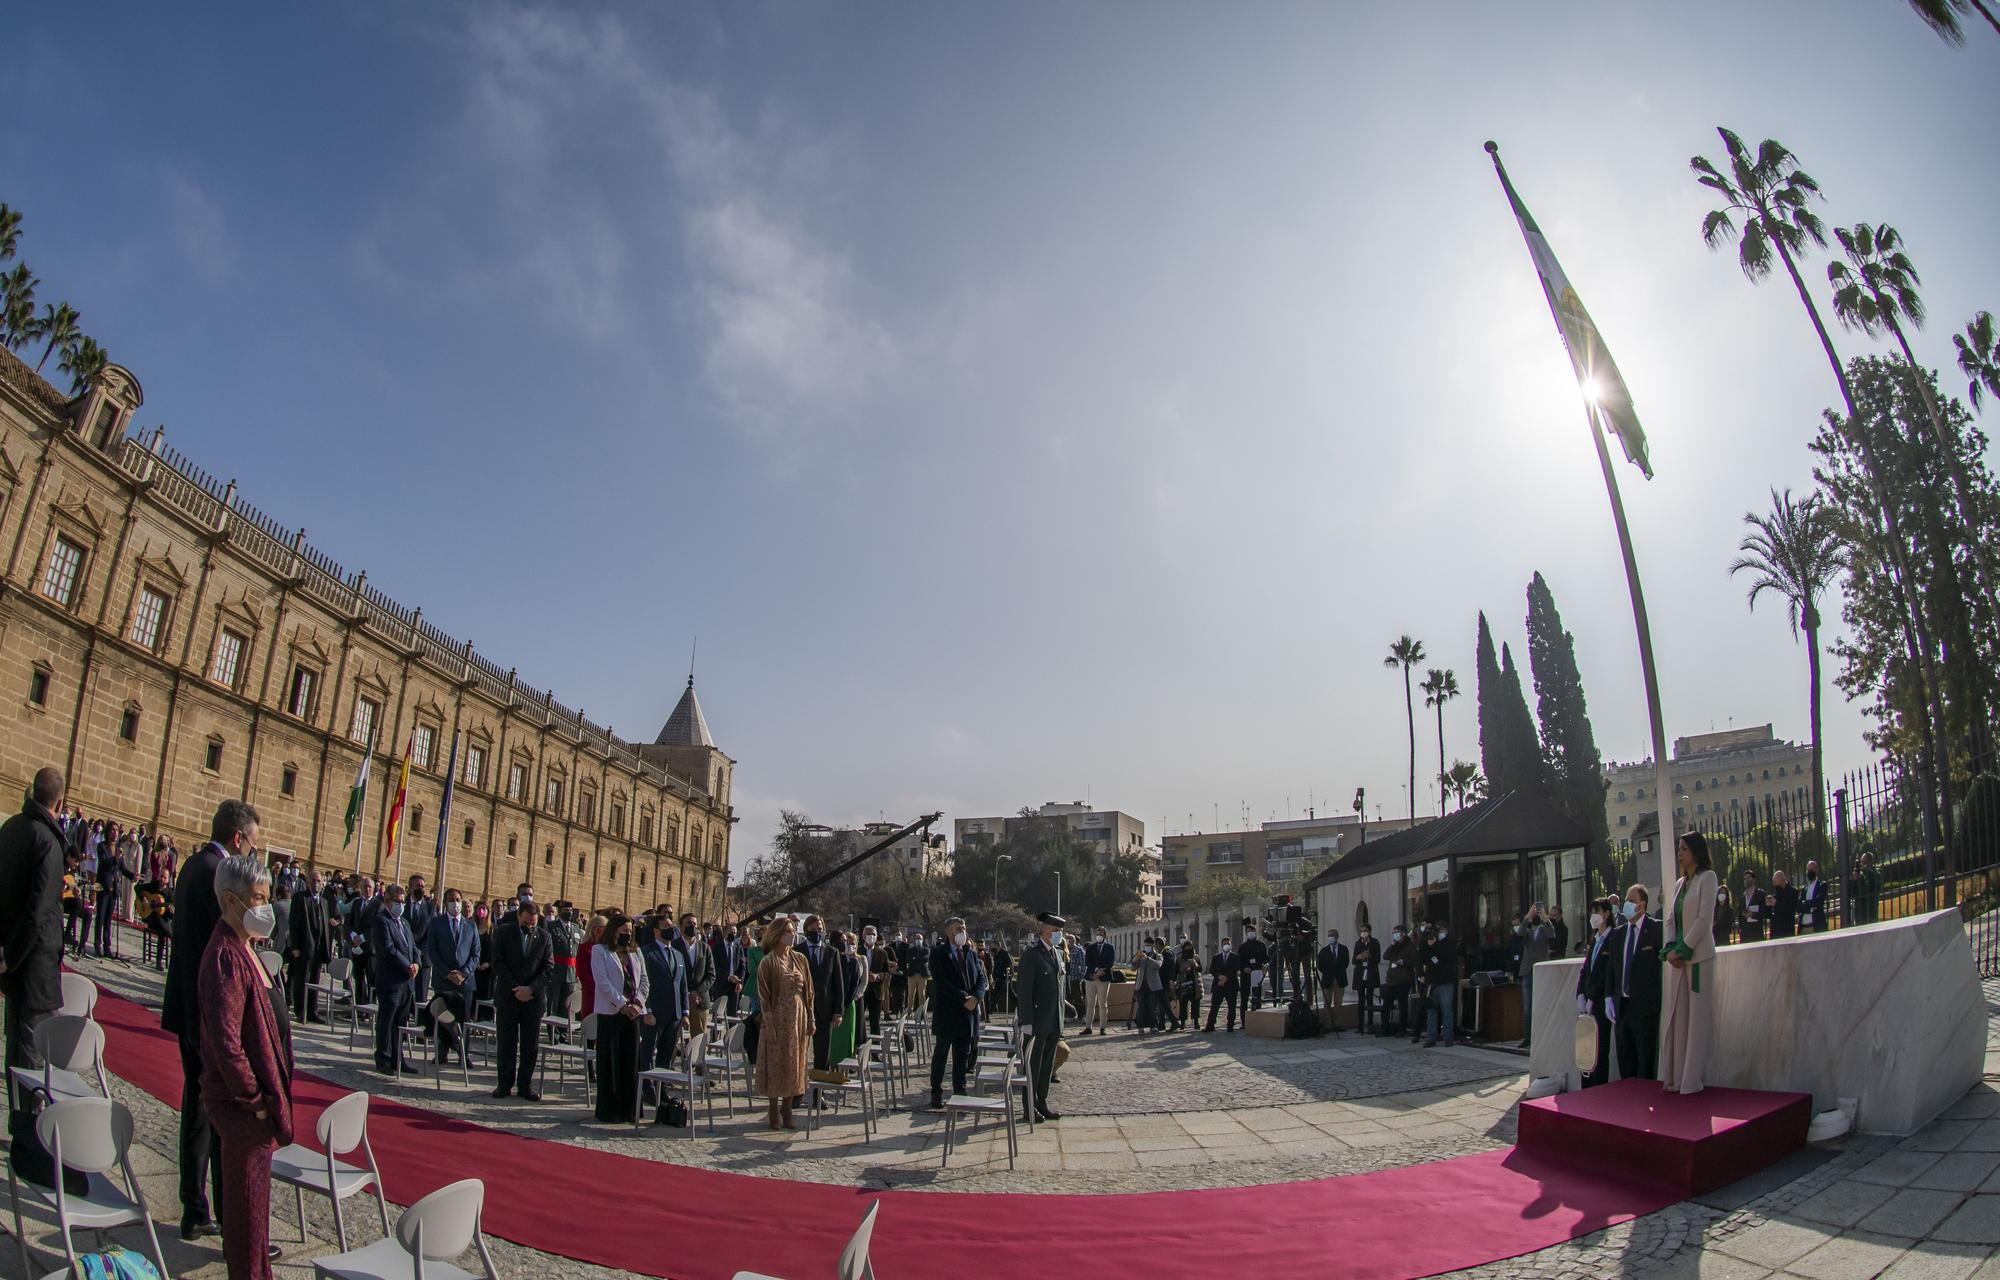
x,y
1662,790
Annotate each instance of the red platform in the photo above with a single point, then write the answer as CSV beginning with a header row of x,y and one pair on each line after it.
x,y
1693,1143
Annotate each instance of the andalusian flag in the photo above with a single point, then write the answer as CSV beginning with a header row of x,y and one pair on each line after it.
x,y
360,792
402,794
1596,373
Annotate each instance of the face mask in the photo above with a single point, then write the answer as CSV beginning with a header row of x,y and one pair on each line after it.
x,y
479,914
1812,875
1441,934
259,922
1332,939
394,908
527,897
1100,937
1597,919
1517,928
1631,909
868,938
1225,946
812,935
1396,936
455,908
1722,897
624,942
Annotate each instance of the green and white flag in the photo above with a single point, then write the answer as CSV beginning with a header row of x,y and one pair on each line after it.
x,y
360,791
1596,373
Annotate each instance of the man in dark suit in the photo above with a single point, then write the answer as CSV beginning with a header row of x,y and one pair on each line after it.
x,y
899,983
1751,918
1331,962
232,833
451,946
31,944
1253,958
1225,975
1634,1002
958,984
1367,975
875,962
829,983
307,948
1783,905
1438,965
700,962
396,965
521,966
419,909
666,996
1099,958
1812,902
1038,997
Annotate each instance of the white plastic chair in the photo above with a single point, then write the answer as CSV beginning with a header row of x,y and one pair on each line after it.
x,y
582,1050
854,1264
273,963
332,989
90,1136
726,1057
1008,1070
69,1045
682,1080
342,1127
976,1105
79,996
430,1234
861,1072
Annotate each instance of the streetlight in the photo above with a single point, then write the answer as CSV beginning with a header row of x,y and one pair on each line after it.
x,y
1058,893
1005,857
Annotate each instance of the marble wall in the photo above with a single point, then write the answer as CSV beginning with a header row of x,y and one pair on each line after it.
x,y
1889,1014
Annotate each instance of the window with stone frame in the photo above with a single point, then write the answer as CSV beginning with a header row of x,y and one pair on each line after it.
x,y
475,766
149,619
617,817
673,835
38,686
517,780
646,829
423,746
367,712
302,691
586,808
128,725
552,794
227,666
211,760
65,571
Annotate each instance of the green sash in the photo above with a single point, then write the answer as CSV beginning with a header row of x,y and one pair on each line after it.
x,y
1679,946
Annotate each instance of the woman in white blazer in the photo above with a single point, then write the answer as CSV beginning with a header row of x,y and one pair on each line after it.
x,y
619,1002
1688,993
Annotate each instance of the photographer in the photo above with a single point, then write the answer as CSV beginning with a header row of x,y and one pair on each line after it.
x,y
1537,936
1399,972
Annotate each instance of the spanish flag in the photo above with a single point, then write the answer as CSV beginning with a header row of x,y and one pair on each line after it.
x,y
402,794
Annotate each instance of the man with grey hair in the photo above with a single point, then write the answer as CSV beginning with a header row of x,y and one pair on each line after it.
x,y
31,945
961,984
233,832
395,980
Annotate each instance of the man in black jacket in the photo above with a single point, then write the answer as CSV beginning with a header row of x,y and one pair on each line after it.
x,y
1634,1002
1099,958
829,983
521,965
1438,963
1225,972
1038,991
1782,903
958,985
1332,962
232,832
31,946
307,948
1594,988
1254,957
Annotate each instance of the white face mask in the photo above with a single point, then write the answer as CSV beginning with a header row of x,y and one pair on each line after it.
x,y
455,907
1100,937
1597,919
959,939
260,922
1225,946
1631,909
869,937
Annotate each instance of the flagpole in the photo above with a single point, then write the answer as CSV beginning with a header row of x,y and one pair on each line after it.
x,y
1662,789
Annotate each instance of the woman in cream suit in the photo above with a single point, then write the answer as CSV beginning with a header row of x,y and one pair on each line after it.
x,y
1688,999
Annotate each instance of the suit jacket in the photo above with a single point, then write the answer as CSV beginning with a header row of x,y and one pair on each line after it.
x,y
195,915
1636,985
1535,942
829,980
1255,953
1812,905
1038,996
395,950
1225,967
1098,958
1595,984
1332,963
309,935
666,984
31,913
447,952
1368,961
700,964
916,960
1439,961
418,915
521,958
1148,966
1785,916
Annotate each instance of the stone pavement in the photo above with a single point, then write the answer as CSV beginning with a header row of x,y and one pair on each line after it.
x,y
1925,1207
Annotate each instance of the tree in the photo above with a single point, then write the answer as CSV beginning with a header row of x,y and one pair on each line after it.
x,y
1521,765
1096,888
83,362
1440,687
17,306
1465,783
1942,16
1407,653
10,231
59,329
801,852
1217,892
1979,357
1772,197
1575,770
1794,552
1875,291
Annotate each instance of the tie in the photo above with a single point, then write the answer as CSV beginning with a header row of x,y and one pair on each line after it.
x,y
631,981
1631,951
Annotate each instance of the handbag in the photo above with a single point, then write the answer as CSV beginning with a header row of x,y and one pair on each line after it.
x,y
116,1263
672,1112
833,1076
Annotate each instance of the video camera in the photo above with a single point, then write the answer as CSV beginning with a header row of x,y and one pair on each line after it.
x,y
1287,919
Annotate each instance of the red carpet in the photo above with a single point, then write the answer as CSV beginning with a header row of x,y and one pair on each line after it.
x,y
1694,1143
644,1216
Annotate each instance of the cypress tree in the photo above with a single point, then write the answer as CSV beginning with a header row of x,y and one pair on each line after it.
x,y
1487,664
1518,763
1575,770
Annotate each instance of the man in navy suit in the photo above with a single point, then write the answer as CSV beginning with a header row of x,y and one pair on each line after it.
x,y
1098,960
958,984
396,965
452,946
1332,962
829,984
666,996
1634,1002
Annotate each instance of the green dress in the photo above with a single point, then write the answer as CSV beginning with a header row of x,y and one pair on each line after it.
x,y
840,1045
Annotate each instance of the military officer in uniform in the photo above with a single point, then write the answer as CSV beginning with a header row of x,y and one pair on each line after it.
x,y
564,938
1038,996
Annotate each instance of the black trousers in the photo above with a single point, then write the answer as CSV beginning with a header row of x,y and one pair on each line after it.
x,y
1364,1017
1224,998
1601,1073
517,1024
617,1068
1638,1043
871,1004
1395,1008
31,1160
822,1043
201,1145
1188,1012
393,1005
303,970
1041,1067
959,1048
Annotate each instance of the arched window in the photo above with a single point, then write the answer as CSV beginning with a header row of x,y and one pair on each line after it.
x,y
1360,917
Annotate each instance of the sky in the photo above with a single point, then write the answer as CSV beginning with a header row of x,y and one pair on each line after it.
x,y
1019,402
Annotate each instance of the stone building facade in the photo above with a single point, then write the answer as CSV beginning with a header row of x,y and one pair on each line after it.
x,y
169,647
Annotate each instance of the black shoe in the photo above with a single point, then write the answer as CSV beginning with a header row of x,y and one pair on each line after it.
x,y
202,1230
937,1100
1086,1031
1044,1116
273,1252
503,1091
529,1095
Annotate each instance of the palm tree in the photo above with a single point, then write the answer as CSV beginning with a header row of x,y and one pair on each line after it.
x,y
1941,16
17,306
57,325
1877,293
1771,196
83,362
1407,653
1439,688
1795,551
10,231
1466,784
1979,357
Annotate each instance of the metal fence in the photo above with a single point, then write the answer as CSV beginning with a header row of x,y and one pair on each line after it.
x,y
1874,857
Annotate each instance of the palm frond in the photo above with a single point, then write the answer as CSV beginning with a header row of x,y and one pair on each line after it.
x,y
1717,229
1941,16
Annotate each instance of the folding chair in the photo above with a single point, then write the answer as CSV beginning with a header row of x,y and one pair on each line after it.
x,y
430,1234
581,1051
79,996
90,1136
724,1057
976,1105
342,1127
69,1045
854,1264
683,1080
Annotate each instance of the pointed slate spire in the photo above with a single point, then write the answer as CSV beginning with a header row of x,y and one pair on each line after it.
x,y
686,727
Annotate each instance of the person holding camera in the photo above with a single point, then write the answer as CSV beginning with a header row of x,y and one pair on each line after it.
x,y
1367,975
1399,972
1537,937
